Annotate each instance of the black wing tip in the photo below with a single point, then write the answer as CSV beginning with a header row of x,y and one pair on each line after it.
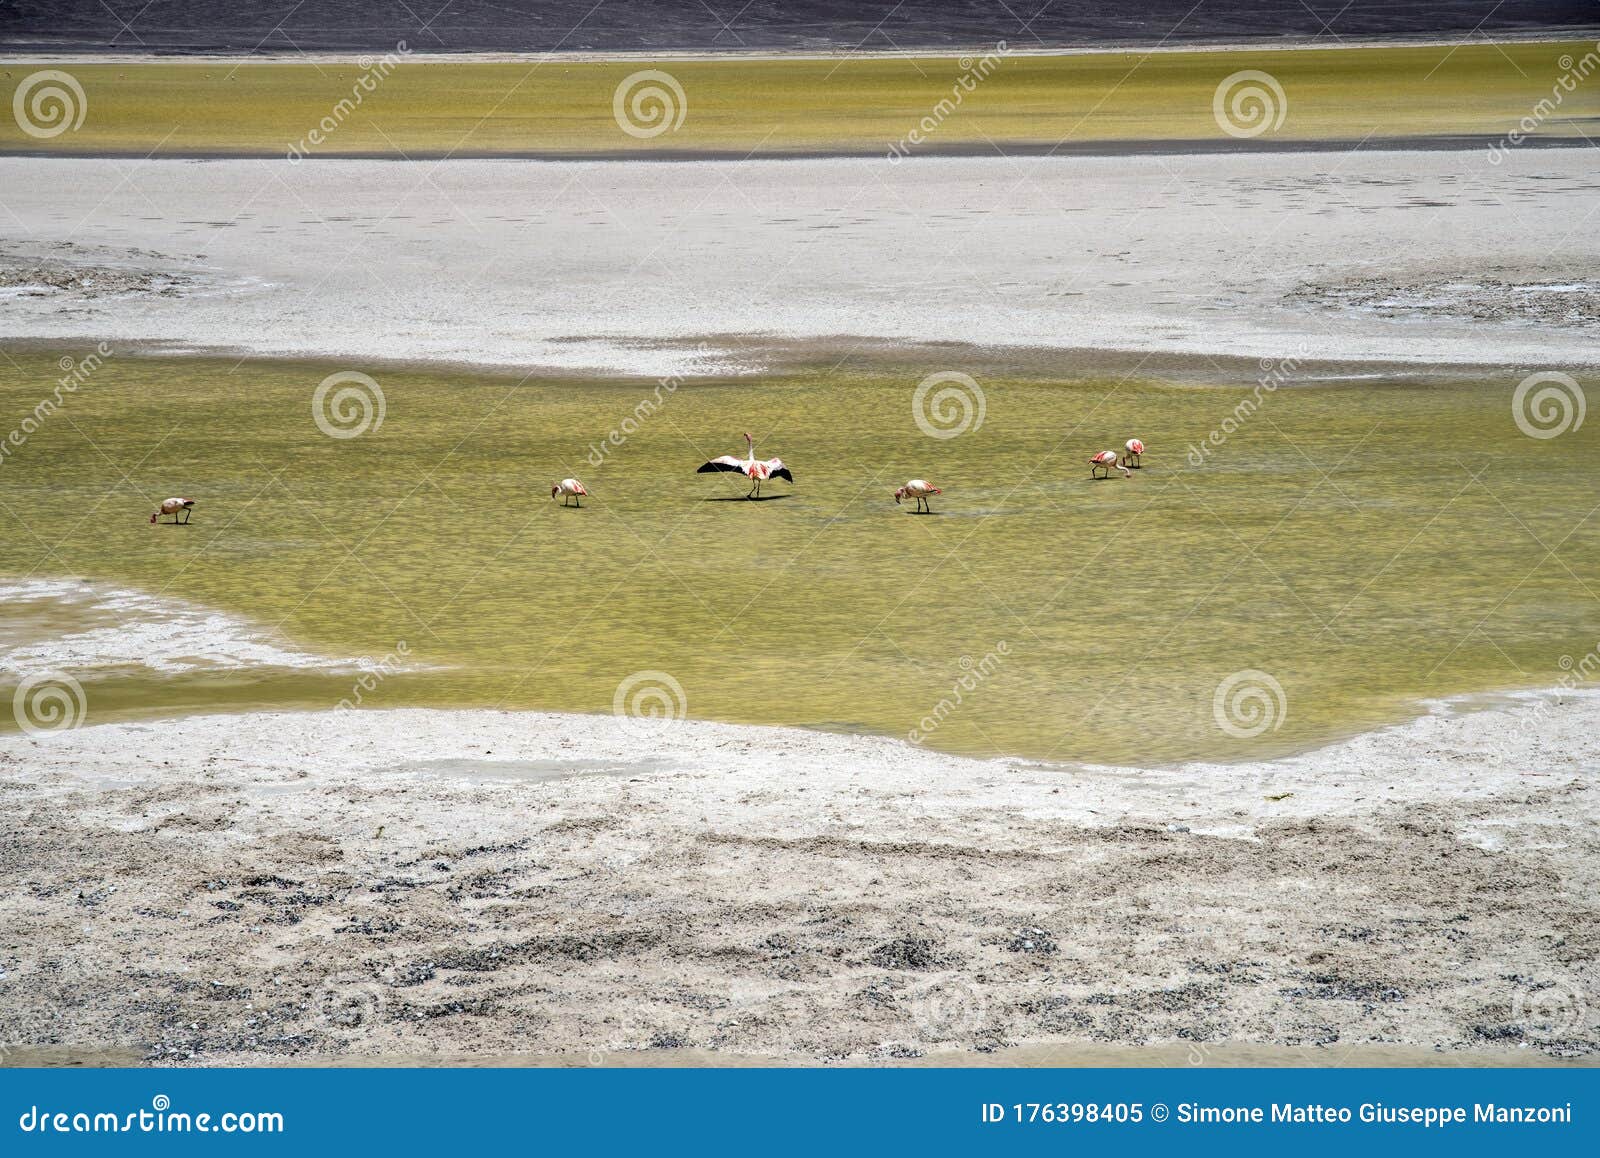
x,y
712,468
783,474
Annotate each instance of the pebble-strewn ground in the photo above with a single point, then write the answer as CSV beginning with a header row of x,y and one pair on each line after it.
x,y
277,888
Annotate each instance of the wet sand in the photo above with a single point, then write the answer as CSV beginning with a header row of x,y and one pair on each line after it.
x,y
292,888
623,267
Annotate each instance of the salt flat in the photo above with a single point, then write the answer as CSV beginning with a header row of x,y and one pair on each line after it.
x,y
273,886
662,267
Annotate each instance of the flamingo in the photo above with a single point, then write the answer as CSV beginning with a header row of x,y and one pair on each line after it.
x,y
172,507
919,489
568,488
1135,449
754,468
1105,460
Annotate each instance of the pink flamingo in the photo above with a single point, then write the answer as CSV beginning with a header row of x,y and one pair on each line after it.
x,y
172,507
752,467
1135,449
569,488
1105,460
919,489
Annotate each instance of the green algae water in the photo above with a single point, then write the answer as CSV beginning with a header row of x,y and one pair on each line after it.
x,y
1334,557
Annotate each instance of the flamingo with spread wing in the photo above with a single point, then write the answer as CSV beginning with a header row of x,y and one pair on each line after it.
x,y
753,468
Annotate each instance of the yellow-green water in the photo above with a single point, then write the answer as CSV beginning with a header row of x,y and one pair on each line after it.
x,y
1367,545
856,103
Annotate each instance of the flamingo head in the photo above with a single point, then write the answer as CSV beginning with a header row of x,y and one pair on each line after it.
x,y
555,490
154,516
899,494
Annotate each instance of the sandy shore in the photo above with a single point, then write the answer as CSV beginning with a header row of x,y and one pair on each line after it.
x,y
297,887
659,268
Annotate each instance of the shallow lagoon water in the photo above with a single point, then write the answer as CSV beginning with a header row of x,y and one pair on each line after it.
x,y
1367,545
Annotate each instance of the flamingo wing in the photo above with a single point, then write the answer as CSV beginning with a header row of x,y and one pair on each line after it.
x,y
722,462
776,469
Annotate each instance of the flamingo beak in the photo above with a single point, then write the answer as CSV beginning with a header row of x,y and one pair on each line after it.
x,y
155,516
